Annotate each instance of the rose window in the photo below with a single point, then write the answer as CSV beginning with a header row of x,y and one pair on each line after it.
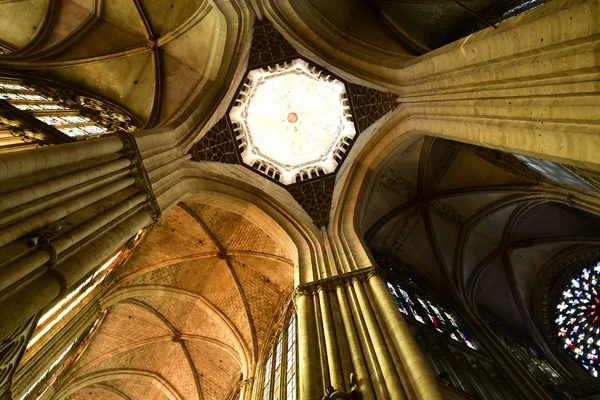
x,y
577,318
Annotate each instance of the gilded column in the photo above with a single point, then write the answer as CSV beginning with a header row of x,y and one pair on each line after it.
x,y
422,381
333,358
390,374
358,358
309,371
63,210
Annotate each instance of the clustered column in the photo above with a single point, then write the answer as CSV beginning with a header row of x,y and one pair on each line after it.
x,y
63,210
349,324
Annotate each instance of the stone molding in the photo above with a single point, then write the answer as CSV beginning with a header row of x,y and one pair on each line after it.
x,y
143,183
247,382
332,283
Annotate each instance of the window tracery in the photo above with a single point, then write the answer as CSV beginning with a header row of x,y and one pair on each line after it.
x,y
525,352
45,381
554,172
280,367
577,321
40,114
440,319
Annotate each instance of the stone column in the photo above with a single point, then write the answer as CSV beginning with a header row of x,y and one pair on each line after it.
x,y
421,379
246,388
331,347
63,210
356,341
358,358
309,365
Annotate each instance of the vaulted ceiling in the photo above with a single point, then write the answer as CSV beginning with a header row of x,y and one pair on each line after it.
x,y
453,215
189,314
150,57
404,27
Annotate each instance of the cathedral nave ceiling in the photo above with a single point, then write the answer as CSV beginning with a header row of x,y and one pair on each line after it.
x,y
446,211
151,57
189,314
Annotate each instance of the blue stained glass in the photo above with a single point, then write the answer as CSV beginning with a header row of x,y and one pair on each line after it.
x,y
442,321
581,330
396,298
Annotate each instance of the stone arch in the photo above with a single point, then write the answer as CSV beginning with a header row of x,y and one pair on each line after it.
x,y
101,376
275,209
123,293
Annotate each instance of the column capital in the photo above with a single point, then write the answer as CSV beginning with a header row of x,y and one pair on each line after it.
x,y
332,283
132,151
247,382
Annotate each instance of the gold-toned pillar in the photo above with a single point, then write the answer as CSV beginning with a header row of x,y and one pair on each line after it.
x,y
388,370
309,366
63,210
331,347
421,378
357,341
358,359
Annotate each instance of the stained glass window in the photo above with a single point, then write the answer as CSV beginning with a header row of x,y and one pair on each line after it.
x,y
521,8
397,300
440,319
577,319
45,381
280,368
46,373
277,375
291,360
267,386
553,172
411,306
62,114
431,317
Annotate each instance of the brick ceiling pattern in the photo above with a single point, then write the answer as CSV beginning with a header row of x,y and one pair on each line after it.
x,y
191,311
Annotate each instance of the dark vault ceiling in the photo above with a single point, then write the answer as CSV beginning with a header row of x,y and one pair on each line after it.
x,y
448,212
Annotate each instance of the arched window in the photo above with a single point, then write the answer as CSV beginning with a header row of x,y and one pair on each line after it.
x,y
34,114
59,314
280,367
554,172
428,312
523,350
68,356
577,318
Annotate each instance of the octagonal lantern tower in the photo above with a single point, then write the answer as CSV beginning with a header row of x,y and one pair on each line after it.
x,y
292,121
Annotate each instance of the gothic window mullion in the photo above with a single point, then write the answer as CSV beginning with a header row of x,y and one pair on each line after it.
x,y
277,367
267,384
290,370
283,367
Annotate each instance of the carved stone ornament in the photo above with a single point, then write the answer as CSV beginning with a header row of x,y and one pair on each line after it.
x,y
330,284
353,394
247,382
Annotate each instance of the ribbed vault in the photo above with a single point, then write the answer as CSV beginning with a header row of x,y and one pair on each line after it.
x,y
190,312
458,219
150,57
